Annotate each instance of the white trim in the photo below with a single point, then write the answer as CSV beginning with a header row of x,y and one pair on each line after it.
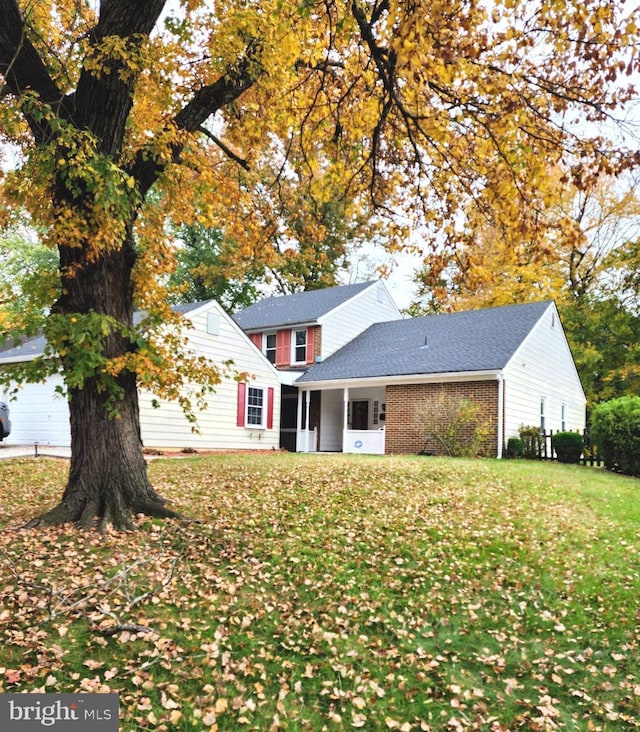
x,y
403,379
284,326
375,283
21,359
500,413
264,407
265,335
293,346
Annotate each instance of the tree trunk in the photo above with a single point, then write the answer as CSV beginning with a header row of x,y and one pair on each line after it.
x,y
108,481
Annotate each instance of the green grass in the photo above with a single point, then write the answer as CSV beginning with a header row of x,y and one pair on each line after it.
x,y
336,592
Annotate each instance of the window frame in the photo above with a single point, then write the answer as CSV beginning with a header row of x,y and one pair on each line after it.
x,y
246,402
262,407
266,348
295,345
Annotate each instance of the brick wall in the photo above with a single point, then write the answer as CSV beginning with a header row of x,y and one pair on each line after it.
x,y
404,431
317,342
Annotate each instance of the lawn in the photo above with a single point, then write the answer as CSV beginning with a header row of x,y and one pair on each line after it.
x,y
336,592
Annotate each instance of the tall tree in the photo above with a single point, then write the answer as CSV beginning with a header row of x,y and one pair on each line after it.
x,y
421,109
207,268
584,248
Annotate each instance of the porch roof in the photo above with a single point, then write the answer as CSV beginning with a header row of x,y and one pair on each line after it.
x,y
464,342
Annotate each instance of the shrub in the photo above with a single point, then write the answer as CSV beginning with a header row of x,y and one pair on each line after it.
x,y
567,446
454,426
615,429
515,448
531,441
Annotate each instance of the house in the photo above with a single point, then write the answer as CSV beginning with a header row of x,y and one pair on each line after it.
x,y
513,361
243,415
341,370
299,330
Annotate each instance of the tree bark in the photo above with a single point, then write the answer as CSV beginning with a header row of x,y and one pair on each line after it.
x,y
108,482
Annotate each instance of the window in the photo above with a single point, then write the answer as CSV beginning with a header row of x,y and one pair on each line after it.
x,y
255,406
270,346
542,415
299,354
563,418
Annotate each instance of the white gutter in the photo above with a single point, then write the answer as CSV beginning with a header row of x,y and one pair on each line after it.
x,y
401,379
19,359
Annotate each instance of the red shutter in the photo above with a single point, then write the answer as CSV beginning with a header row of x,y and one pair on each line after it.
x,y
242,398
270,394
283,348
256,339
311,344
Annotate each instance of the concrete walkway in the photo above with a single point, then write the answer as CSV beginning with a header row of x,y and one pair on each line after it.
x,y
12,451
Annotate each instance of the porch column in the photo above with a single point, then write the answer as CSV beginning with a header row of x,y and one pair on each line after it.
x,y
307,396
299,421
345,417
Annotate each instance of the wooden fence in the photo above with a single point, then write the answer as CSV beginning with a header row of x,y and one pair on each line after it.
x,y
589,456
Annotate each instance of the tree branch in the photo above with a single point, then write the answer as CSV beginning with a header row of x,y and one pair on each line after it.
x,y
225,148
23,70
205,102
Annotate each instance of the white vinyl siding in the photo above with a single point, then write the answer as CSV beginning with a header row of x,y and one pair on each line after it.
x,y
39,415
332,415
167,426
372,305
543,368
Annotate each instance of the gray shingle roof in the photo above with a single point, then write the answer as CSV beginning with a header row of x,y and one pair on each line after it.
x,y
25,350
476,340
300,307
29,348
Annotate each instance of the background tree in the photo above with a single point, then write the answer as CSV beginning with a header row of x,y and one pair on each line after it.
x,y
586,261
604,335
423,111
206,269
28,280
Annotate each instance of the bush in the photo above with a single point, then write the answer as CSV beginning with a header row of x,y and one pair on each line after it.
x,y
567,446
515,448
615,429
531,441
453,425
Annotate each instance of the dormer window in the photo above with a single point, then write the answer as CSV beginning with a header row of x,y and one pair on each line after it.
x,y
299,346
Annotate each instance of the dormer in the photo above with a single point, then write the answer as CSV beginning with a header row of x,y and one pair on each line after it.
x,y
295,331
295,347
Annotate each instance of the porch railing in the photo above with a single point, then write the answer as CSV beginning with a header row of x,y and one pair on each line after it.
x,y
370,442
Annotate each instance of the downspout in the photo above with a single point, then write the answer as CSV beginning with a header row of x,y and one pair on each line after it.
x,y
500,413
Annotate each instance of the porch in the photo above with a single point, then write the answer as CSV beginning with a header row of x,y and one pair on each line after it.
x,y
348,420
